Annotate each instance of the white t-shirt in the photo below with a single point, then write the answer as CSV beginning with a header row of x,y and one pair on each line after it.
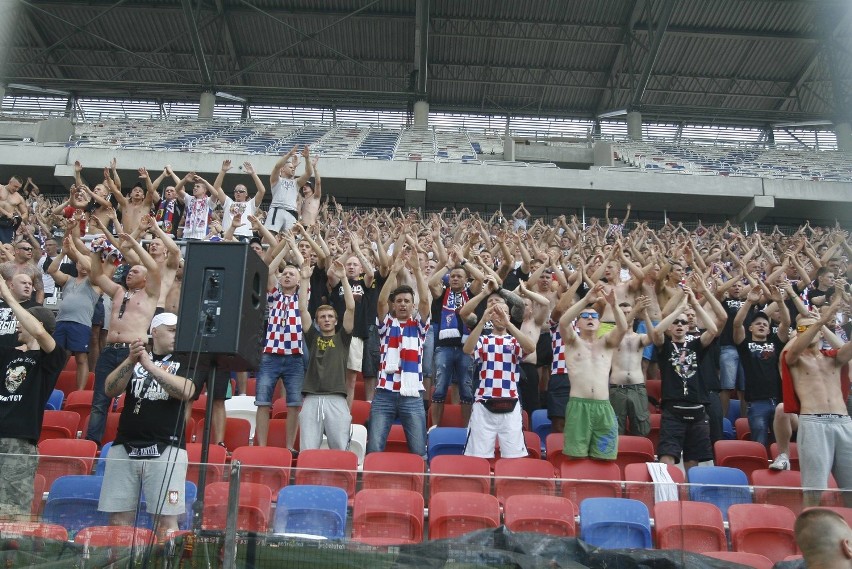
x,y
197,216
245,209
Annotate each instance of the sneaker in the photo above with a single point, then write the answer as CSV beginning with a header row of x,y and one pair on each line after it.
x,y
781,462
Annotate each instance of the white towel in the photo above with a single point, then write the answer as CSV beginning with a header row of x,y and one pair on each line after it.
x,y
665,489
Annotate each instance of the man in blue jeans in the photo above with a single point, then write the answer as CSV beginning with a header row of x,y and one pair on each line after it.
x,y
133,308
759,350
402,332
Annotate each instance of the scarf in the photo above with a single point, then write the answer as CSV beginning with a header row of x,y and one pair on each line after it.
x,y
403,357
451,324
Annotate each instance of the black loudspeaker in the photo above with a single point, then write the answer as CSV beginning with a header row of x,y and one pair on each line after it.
x,y
222,306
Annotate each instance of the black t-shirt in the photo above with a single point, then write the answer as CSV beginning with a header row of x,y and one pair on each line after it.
x,y
679,363
9,323
160,419
709,366
319,289
731,306
514,278
760,364
28,381
365,303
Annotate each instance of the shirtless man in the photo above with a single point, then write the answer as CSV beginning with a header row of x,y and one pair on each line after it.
x,y
12,204
309,198
824,438
137,204
536,312
166,254
624,291
591,429
627,392
132,310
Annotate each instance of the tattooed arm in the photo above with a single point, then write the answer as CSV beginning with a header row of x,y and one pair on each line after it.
x,y
117,381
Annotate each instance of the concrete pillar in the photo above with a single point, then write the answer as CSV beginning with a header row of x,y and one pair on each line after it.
x,y
508,144
421,114
205,106
843,131
415,193
2,94
634,125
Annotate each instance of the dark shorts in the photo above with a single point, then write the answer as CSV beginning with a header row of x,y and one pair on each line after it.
x,y
558,393
370,358
544,350
73,336
221,387
159,310
691,438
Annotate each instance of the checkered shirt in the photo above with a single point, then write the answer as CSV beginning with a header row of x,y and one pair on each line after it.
x,y
500,358
410,349
557,344
284,327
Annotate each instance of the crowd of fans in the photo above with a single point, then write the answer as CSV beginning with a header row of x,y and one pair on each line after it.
x,y
502,313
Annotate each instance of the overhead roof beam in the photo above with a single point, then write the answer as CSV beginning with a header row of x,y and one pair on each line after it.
x,y
197,50
725,33
651,59
229,38
608,94
38,36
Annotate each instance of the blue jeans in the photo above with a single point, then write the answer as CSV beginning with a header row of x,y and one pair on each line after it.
x,y
760,416
109,359
429,354
452,363
291,369
731,374
387,405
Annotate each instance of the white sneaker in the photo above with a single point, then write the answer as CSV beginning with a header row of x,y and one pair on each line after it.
x,y
781,462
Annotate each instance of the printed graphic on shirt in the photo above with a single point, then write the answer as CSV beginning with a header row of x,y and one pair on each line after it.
x,y
15,376
684,362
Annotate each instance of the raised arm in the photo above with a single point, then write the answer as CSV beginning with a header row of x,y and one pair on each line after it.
x,y
803,339
27,321
274,175
739,329
248,168
304,292
658,332
390,284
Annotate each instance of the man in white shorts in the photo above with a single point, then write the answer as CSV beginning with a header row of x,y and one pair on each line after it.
x,y
496,414
148,449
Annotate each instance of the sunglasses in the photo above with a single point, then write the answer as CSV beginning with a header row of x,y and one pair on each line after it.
x,y
25,248
592,315
681,322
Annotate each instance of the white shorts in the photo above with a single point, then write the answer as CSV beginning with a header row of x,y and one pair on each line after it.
x,y
163,480
485,428
356,354
279,219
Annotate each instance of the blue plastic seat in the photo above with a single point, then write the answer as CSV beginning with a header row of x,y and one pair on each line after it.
x,y
54,402
719,485
446,440
728,429
73,503
100,465
541,425
733,410
311,510
615,523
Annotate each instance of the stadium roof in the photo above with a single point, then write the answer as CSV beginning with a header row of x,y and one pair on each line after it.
x,y
750,62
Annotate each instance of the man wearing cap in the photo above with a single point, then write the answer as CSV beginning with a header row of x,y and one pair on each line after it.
x,y
29,372
149,449
759,350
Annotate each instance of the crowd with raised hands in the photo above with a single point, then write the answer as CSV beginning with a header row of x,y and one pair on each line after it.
x,y
501,313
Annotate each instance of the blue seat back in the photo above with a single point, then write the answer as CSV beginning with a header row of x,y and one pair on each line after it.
x,y
722,486
446,440
541,425
100,466
615,523
311,510
54,402
73,503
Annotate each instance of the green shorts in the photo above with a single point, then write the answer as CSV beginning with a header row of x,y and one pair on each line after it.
x,y
590,429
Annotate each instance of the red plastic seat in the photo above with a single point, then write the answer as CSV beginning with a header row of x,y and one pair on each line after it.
x,y
277,435
79,402
396,440
61,457
110,427
360,412
654,434
783,488
114,536
39,488
328,467
393,470
691,526
67,380
448,473
792,453
633,449
763,529
654,388
523,476
587,478
748,456
553,444
254,505
59,425
452,514
639,485
451,417
742,429
747,559
279,409
216,458
237,433
387,516
199,408
549,515
264,465
34,529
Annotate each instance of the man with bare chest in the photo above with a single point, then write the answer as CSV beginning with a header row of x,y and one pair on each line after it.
x,y
12,205
824,437
627,392
132,310
590,426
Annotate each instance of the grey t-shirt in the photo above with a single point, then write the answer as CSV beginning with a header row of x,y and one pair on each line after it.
x,y
78,302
